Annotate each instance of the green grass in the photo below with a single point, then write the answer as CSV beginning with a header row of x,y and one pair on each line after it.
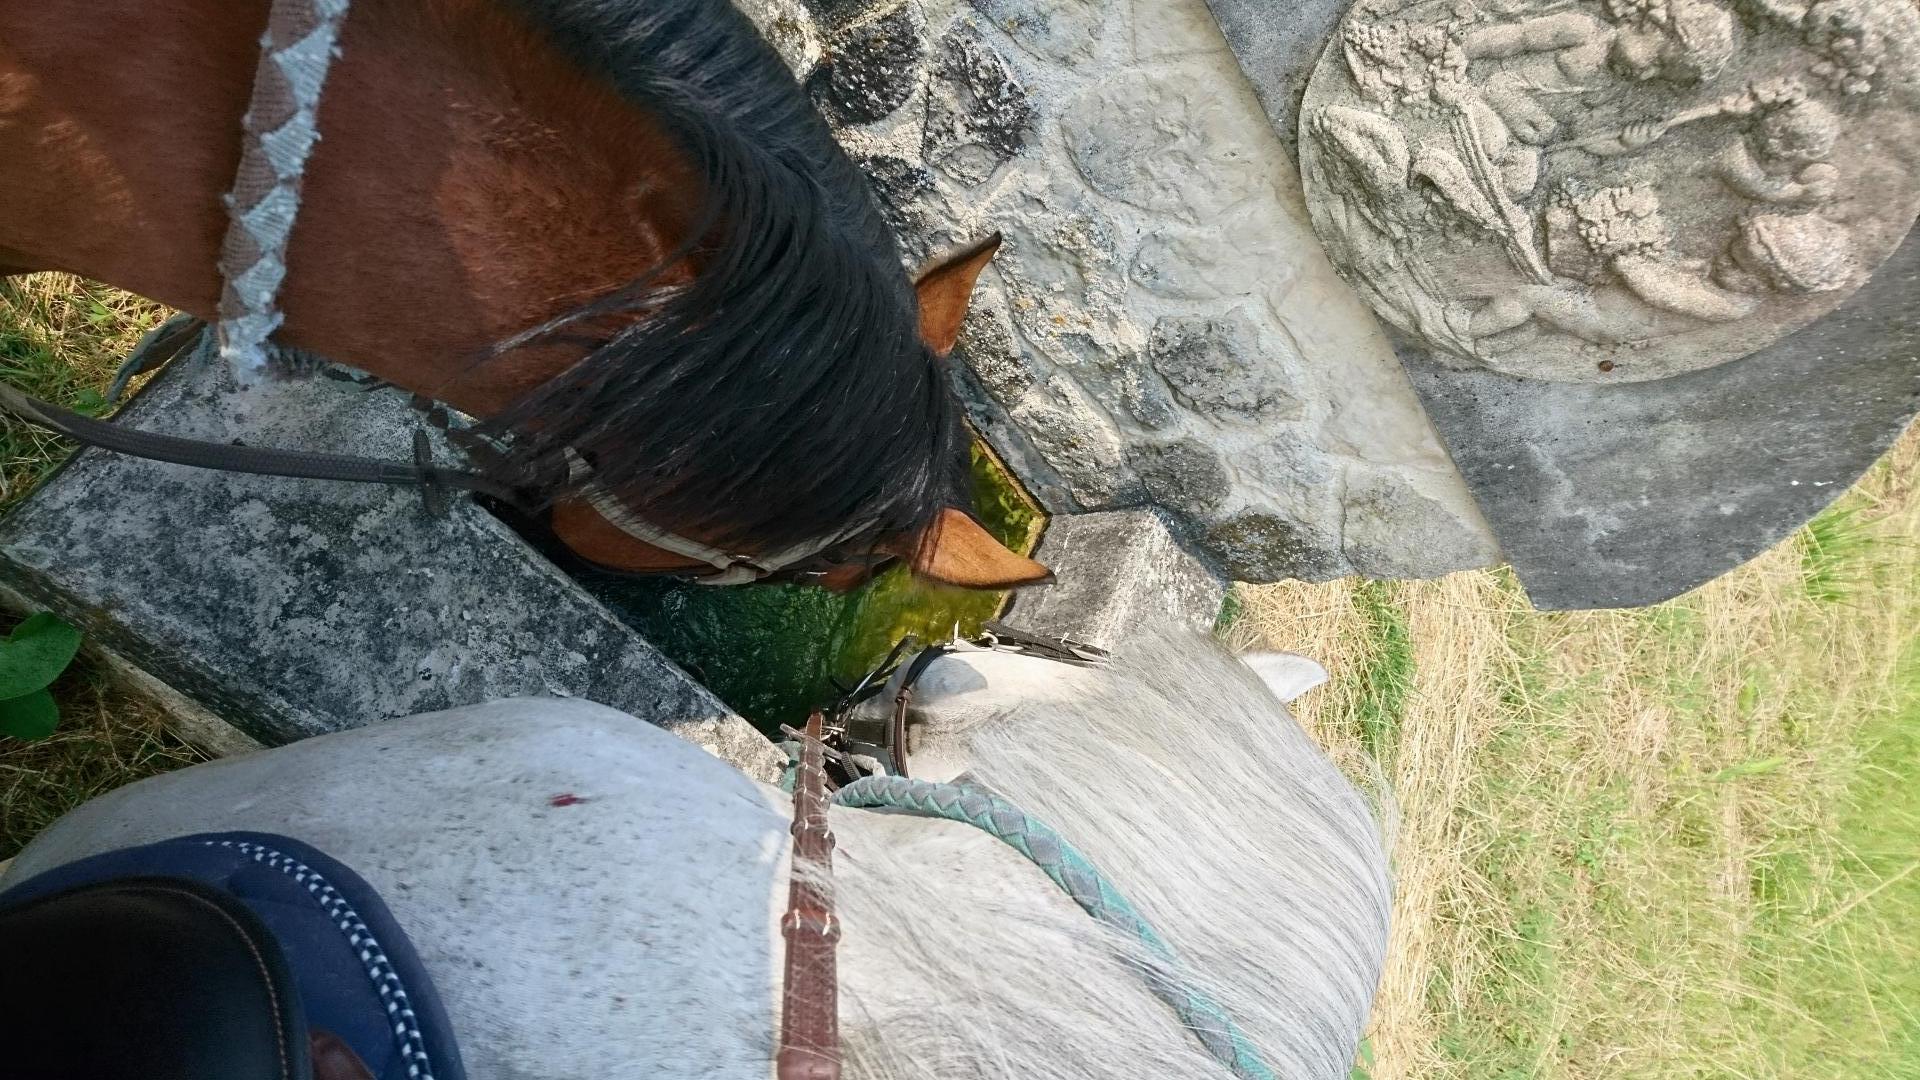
x,y
1232,607
61,340
1837,931
1733,914
1836,555
1386,675
1682,842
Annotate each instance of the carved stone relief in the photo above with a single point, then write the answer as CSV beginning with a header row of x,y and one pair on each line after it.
x,y
1611,190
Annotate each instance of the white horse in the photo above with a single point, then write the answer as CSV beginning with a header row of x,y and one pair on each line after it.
x,y
595,898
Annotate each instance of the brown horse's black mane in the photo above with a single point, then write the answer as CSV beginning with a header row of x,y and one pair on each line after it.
x,y
784,394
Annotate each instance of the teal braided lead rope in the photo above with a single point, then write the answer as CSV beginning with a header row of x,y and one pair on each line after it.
x,y
791,772
1075,874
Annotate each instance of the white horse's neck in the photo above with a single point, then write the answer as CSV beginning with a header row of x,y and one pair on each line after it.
x,y
1183,779
597,899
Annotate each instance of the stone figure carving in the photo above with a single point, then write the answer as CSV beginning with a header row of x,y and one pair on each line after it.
x,y
1625,282
1612,190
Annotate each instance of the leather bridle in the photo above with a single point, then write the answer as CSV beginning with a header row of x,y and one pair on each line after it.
x,y
857,745
434,482
833,752
728,568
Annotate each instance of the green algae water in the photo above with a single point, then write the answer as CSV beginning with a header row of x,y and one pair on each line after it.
x,y
772,651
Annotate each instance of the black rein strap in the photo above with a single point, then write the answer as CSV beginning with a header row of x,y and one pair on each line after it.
x,y
433,479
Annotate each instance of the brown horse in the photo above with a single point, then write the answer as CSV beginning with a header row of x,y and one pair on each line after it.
x,y
613,229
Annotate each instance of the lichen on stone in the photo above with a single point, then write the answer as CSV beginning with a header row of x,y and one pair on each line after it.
x,y
1211,364
870,69
1184,474
1259,546
902,188
979,115
1064,31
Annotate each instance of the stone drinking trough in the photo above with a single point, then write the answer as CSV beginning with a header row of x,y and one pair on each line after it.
x,y
266,610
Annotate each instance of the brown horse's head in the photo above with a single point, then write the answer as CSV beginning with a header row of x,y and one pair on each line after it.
x,y
770,392
712,356
950,546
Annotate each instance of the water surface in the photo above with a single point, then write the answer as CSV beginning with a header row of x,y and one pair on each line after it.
x,y
772,651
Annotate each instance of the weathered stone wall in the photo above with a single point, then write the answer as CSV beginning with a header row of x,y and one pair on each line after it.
x,y
1162,326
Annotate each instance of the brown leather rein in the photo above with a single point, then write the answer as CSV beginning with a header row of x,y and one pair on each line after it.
x,y
810,995
810,998
434,482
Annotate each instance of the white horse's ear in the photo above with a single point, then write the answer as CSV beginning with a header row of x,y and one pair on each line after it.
x,y
1287,674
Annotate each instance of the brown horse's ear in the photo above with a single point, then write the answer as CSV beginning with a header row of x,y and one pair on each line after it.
x,y
945,290
956,550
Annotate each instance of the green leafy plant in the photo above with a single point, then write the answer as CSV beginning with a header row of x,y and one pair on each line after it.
x,y
31,657
1231,609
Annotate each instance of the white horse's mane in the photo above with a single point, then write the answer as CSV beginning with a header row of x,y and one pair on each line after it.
x,y
1183,779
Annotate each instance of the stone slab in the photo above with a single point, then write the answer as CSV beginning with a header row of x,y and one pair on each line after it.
x,y
292,608
1621,496
1120,573
1629,494
1277,43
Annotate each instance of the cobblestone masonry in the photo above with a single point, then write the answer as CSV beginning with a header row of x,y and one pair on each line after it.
x,y
1162,326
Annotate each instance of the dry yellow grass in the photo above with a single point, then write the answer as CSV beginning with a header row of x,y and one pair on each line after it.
x,y
61,339
108,738
1632,844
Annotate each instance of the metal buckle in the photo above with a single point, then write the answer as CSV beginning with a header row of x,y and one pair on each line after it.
x,y
889,741
853,754
825,926
433,489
